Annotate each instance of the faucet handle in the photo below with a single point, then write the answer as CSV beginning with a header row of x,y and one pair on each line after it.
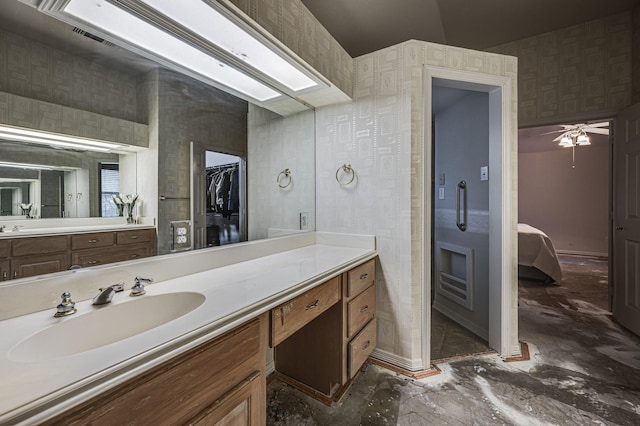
x,y
66,307
138,287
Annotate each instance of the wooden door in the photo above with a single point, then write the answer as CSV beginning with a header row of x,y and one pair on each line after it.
x,y
626,234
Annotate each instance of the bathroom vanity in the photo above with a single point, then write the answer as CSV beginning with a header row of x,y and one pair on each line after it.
x,y
201,357
28,253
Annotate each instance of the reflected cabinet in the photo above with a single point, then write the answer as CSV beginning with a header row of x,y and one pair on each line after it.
x,y
22,257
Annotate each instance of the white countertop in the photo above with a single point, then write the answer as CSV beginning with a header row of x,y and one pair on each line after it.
x,y
34,391
32,232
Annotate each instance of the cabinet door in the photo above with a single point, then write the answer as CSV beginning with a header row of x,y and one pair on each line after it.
x,y
240,407
5,248
135,237
40,245
103,256
95,239
5,273
361,347
29,266
360,278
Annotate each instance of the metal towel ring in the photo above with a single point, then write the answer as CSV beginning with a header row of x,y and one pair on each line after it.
x,y
286,173
346,169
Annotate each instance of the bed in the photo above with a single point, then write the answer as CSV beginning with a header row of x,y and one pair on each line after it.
x,y
537,258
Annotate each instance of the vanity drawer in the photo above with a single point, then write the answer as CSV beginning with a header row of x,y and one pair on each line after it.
x,y
361,277
99,239
5,248
94,257
361,310
361,347
289,317
39,245
135,237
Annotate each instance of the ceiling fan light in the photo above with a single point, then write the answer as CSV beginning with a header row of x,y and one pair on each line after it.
x,y
566,142
583,140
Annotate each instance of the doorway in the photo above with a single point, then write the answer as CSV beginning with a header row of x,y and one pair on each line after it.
x,y
469,229
223,205
218,198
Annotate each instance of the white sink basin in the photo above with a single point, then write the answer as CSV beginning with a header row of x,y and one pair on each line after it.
x,y
108,324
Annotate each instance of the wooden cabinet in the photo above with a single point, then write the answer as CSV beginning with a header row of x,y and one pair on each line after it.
x,y
5,268
28,256
39,255
321,354
291,316
220,382
109,247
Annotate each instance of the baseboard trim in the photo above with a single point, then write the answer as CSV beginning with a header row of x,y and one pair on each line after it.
x,y
398,361
524,354
582,253
413,374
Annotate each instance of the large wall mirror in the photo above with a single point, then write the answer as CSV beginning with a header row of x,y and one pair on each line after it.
x,y
60,66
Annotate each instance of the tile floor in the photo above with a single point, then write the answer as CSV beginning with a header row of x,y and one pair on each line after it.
x,y
584,369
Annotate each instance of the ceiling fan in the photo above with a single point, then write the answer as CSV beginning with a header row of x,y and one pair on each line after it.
x,y
576,134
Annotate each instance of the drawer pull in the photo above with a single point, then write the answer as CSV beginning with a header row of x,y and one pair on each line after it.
x,y
15,274
364,309
95,240
92,262
134,237
133,255
313,305
366,345
5,276
364,276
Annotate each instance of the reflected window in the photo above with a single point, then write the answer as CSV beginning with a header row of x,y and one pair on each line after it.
x,y
109,185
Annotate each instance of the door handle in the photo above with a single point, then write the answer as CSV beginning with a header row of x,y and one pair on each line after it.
x,y
461,204
619,228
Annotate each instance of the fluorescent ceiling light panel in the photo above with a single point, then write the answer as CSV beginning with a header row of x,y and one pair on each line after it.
x,y
54,139
140,33
212,25
23,166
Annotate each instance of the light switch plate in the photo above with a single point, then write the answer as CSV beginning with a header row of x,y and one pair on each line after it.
x,y
441,179
441,193
484,173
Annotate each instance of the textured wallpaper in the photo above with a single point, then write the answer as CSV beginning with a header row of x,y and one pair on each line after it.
x,y
579,72
381,134
276,143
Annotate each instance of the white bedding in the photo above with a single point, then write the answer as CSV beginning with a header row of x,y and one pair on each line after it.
x,y
535,249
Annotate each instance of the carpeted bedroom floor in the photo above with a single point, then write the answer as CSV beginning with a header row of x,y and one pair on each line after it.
x,y
584,369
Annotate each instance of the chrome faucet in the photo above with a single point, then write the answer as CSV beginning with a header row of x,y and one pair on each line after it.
x,y
66,307
16,228
106,294
138,287
2,228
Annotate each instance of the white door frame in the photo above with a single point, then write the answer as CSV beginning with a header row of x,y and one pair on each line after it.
x,y
503,308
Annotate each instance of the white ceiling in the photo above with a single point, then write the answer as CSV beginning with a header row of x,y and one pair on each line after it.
x,y
364,26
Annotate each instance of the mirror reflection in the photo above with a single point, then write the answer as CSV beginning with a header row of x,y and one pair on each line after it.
x,y
64,80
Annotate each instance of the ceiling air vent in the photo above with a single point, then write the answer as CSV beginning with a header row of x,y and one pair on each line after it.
x,y
92,37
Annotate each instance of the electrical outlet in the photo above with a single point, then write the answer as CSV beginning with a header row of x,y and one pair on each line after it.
x,y
304,221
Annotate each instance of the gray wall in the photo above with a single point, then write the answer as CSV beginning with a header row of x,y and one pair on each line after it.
x,y
461,148
34,70
191,111
570,205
